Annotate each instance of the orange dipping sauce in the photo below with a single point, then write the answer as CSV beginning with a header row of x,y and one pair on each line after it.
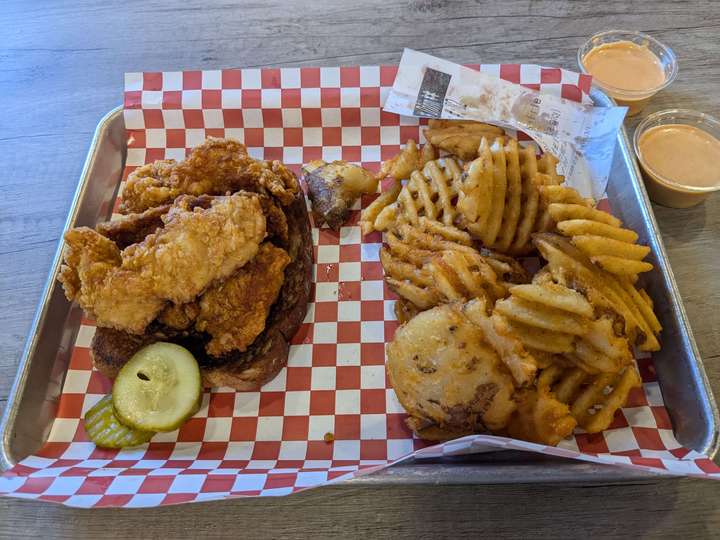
x,y
684,155
629,72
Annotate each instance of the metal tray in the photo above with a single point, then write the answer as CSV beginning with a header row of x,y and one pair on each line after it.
x,y
33,398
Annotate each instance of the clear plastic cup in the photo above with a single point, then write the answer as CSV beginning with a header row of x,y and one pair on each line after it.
x,y
663,190
634,100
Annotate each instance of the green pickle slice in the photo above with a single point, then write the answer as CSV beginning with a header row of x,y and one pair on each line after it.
x,y
106,431
158,389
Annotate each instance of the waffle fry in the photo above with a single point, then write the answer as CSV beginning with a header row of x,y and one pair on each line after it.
x,y
426,270
553,319
399,168
369,216
530,201
601,237
460,137
565,336
541,418
550,194
405,310
408,160
521,364
499,200
428,194
508,270
593,399
605,291
554,308
547,165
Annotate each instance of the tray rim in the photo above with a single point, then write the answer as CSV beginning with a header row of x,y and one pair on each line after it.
x,y
574,471
713,444
12,404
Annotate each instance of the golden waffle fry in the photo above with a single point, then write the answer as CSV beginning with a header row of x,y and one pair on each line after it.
x,y
482,200
643,303
460,137
601,237
554,296
497,206
530,201
408,160
593,399
541,418
513,197
508,270
426,199
499,200
547,165
605,291
553,319
516,358
399,168
564,211
548,307
552,193
405,310
475,198
369,216
424,234
427,270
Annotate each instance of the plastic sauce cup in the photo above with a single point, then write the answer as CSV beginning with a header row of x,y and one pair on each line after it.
x,y
635,100
668,191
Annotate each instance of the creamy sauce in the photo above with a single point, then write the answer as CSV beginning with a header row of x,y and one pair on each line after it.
x,y
681,153
625,65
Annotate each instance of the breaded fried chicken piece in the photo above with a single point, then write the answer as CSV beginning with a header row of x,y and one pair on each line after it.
x,y
216,167
133,228
127,289
89,258
234,312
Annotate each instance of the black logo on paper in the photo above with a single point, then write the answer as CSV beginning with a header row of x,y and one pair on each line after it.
x,y
432,93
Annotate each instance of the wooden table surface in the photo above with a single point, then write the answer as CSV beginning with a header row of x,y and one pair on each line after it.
x,y
61,69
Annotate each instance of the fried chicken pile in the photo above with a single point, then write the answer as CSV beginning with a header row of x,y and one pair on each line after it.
x,y
213,243
127,289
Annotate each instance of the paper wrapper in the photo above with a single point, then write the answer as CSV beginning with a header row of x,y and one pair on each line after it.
x,y
583,137
271,442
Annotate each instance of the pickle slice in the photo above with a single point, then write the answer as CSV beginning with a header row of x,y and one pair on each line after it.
x,y
158,389
106,431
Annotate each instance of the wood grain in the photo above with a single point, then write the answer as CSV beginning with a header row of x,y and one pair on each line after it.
x,y
521,511
61,67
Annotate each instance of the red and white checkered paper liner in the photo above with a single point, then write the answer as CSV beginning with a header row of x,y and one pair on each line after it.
x,y
271,442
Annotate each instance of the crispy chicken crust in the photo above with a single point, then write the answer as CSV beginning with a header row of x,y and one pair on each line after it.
x,y
216,167
234,312
127,289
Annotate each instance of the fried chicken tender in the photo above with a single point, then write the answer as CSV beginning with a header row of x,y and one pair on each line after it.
x,y
133,228
179,316
127,289
234,312
89,257
216,167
